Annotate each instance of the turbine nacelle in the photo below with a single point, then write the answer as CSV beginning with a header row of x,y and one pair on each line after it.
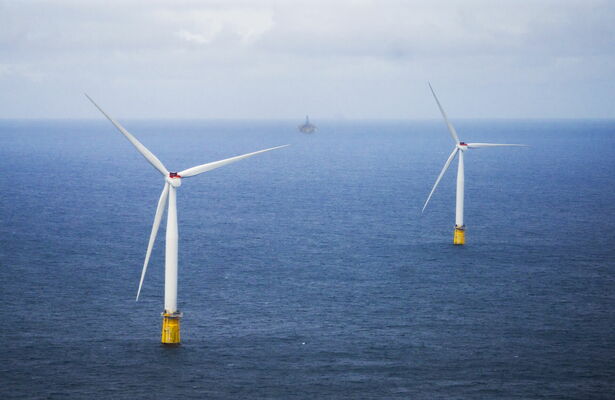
x,y
174,179
463,146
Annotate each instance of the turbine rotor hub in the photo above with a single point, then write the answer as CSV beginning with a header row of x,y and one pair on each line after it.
x,y
174,179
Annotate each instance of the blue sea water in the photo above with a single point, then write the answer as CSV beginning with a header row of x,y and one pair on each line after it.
x,y
309,272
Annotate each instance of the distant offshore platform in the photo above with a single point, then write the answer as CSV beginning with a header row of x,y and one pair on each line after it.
x,y
307,127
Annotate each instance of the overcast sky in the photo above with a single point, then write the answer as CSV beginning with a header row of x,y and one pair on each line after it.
x,y
284,58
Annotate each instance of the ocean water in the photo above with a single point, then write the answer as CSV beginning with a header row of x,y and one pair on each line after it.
x,y
309,272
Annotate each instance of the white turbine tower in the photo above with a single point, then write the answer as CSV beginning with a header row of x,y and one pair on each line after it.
x,y
460,148
171,315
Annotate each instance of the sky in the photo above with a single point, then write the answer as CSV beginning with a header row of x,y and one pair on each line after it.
x,y
359,59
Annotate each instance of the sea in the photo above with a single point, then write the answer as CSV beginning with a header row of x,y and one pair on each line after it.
x,y
309,272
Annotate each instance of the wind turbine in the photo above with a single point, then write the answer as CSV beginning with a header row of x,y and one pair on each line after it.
x,y
460,149
172,180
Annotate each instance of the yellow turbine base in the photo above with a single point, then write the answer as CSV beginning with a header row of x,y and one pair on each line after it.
x,y
459,236
170,328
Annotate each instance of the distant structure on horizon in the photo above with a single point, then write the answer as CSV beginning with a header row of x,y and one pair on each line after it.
x,y
307,127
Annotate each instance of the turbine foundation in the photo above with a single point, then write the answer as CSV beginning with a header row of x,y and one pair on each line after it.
x,y
459,237
170,328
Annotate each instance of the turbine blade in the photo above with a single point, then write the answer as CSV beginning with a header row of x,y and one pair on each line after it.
x,y
199,169
149,156
479,145
450,126
448,162
152,237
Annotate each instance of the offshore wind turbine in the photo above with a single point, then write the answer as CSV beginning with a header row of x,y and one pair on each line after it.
x,y
172,180
459,149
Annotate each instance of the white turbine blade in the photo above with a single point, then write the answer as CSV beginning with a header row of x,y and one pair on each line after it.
x,y
450,126
448,162
199,169
149,156
479,145
152,237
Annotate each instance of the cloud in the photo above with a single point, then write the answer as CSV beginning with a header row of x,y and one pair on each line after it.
x,y
247,25
339,54
411,28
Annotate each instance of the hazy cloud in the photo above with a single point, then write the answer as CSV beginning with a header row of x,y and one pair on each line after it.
x,y
285,58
